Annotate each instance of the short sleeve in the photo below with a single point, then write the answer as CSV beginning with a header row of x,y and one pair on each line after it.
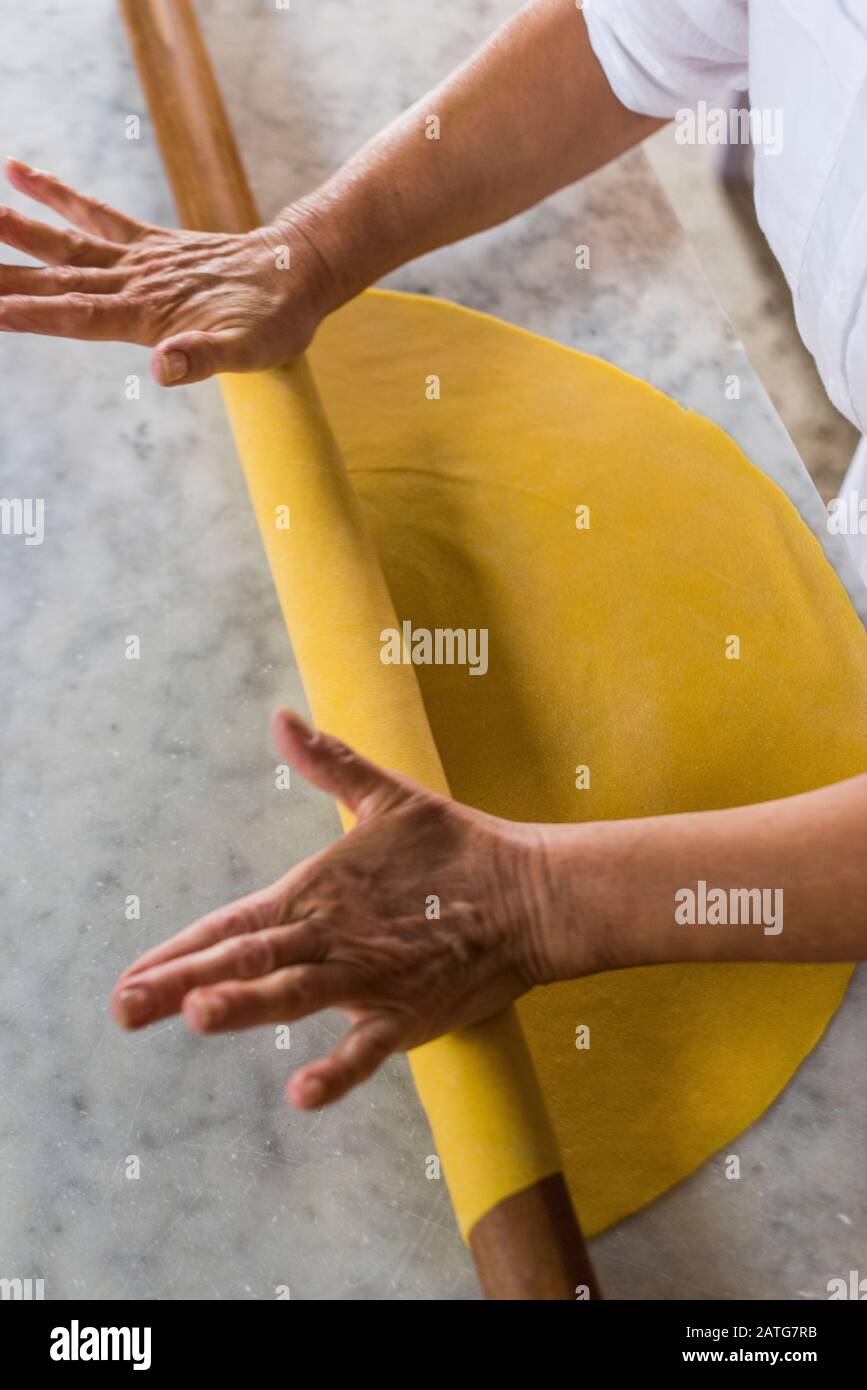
x,y
662,55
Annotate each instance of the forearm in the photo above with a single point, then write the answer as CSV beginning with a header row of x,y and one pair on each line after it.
x,y
531,112
625,882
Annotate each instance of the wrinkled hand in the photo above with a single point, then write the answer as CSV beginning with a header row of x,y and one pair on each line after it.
x,y
350,927
205,302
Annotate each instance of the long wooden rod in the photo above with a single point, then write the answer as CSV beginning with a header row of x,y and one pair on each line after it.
x,y
198,145
528,1246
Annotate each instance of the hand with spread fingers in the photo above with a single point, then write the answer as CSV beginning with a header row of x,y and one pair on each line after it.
x,y
352,927
205,302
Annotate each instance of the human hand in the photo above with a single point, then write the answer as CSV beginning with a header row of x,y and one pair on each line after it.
x,y
205,302
348,927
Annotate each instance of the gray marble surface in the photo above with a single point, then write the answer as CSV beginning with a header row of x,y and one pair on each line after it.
x,y
155,777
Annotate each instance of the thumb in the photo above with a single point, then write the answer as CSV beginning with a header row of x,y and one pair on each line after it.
x,y
333,766
191,357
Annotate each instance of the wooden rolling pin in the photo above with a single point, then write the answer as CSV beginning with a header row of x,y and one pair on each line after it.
x,y
529,1246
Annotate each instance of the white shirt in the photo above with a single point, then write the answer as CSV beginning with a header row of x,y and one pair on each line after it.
x,y
807,61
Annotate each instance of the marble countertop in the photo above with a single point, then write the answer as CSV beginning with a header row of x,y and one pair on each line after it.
x,y
155,777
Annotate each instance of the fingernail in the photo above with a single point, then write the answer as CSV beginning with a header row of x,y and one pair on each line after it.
x,y
300,726
207,1009
175,366
22,168
313,1091
135,1005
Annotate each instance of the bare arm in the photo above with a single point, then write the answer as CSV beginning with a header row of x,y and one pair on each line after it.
x,y
520,905
626,881
531,112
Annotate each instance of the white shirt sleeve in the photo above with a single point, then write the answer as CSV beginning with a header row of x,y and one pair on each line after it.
x,y
662,55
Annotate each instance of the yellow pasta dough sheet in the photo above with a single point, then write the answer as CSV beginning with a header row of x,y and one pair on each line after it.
x,y
452,472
